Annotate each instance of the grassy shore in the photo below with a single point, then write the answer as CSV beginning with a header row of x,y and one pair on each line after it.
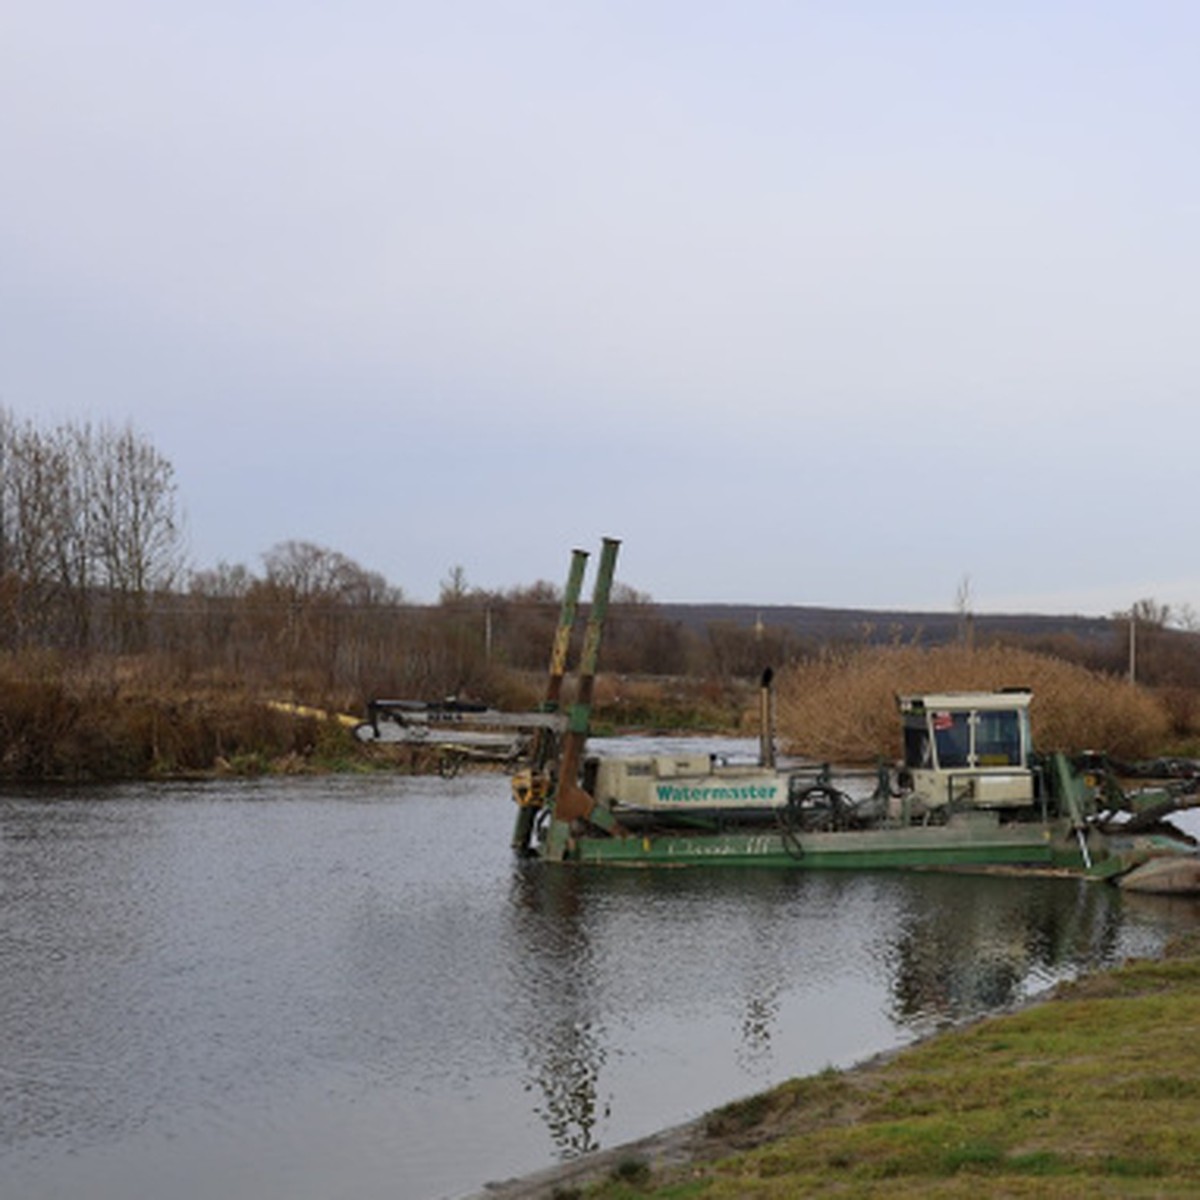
x,y
1093,1093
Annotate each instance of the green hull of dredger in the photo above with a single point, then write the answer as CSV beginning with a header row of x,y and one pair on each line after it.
x,y
970,793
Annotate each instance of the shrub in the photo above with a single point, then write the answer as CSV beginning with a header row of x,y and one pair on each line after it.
x,y
841,706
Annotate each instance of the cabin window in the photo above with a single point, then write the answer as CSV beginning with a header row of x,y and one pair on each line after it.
x,y
947,739
998,739
917,753
952,734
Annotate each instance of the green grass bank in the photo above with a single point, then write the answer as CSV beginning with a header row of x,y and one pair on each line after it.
x,y
1095,1092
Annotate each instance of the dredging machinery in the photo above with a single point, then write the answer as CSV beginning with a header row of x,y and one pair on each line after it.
x,y
969,793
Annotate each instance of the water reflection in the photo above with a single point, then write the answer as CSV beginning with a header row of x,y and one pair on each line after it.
x,y
301,988
762,1002
563,1036
965,948
614,965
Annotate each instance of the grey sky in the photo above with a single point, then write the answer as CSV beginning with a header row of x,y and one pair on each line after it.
x,y
805,302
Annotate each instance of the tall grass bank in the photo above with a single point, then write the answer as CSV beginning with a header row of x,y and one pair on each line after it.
x,y
841,706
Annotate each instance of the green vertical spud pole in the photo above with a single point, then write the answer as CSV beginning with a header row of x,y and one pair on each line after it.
x,y
570,800
543,740
562,644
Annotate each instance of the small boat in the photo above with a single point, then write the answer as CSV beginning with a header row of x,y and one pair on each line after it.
x,y
971,793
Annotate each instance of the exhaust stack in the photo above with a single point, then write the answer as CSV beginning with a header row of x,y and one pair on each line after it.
x,y
766,721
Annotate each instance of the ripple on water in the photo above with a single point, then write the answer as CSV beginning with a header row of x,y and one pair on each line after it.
x,y
306,987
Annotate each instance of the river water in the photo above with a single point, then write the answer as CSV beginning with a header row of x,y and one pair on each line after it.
x,y
346,987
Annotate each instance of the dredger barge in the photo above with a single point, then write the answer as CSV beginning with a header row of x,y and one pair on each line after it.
x,y
971,793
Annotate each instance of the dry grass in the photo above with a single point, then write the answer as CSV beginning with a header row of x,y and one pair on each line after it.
x,y
104,718
677,703
842,706
117,719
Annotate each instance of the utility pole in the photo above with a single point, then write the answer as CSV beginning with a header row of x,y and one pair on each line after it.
x,y
1133,645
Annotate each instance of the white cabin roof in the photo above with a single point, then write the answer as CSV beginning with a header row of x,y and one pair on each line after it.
x,y
966,701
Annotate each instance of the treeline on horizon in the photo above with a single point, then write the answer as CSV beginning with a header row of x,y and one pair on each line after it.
x,y
94,586
93,565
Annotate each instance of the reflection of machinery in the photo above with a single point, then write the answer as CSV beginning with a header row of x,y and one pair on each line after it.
x,y
566,1042
964,949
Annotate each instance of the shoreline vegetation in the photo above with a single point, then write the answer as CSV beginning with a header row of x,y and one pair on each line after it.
x,y
1091,1090
123,719
108,718
119,660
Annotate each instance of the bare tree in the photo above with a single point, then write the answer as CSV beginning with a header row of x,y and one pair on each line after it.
x,y
326,601
39,488
7,433
73,447
225,580
308,571
966,615
454,588
134,526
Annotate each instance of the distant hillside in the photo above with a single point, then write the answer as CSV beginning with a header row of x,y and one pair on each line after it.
x,y
871,625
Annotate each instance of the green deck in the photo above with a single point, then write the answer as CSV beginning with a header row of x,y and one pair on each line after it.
x,y
957,844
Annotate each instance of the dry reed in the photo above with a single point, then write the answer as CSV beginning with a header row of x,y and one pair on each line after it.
x,y
113,719
841,706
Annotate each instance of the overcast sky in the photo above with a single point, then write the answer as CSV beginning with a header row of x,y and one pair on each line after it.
x,y
808,303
